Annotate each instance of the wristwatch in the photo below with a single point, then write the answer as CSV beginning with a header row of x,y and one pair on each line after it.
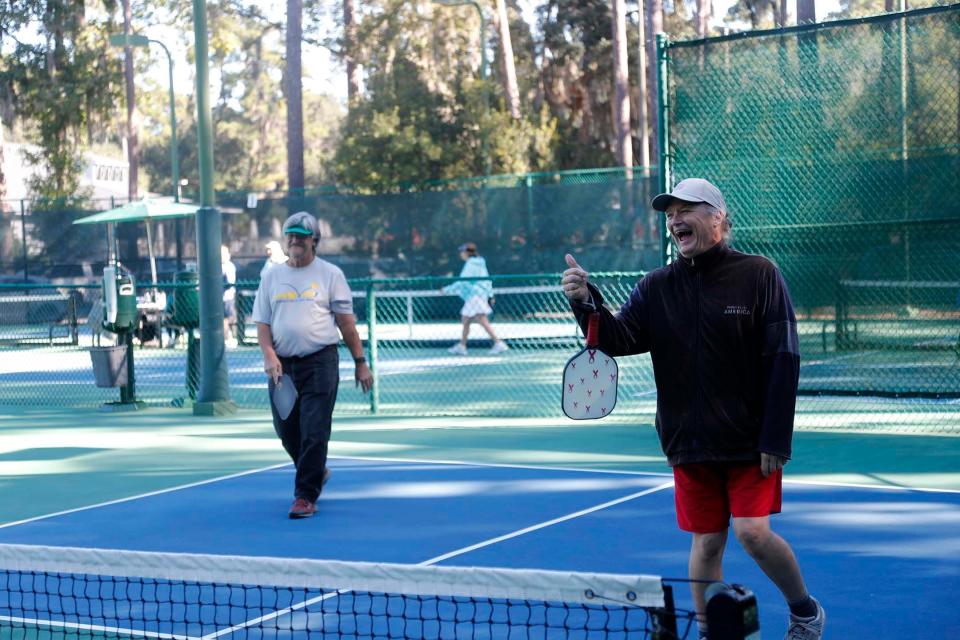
x,y
360,360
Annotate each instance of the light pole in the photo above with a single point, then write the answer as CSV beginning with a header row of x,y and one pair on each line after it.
x,y
123,40
483,68
135,40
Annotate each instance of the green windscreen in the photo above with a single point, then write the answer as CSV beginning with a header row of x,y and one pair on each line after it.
x,y
837,147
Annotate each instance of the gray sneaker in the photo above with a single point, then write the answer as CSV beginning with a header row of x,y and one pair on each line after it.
x,y
807,628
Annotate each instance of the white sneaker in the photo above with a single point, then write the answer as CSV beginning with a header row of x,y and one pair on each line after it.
x,y
499,347
458,349
807,628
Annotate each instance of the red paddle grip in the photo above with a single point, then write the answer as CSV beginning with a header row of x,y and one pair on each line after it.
x,y
593,330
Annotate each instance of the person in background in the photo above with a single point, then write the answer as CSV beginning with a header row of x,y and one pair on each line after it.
x,y
722,335
476,295
229,296
275,256
299,307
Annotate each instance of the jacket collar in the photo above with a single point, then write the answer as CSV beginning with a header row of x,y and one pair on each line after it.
x,y
707,259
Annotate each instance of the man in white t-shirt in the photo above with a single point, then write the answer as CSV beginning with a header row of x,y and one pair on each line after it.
x,y
299,307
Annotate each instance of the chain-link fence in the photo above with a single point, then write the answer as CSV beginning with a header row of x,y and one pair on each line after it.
x,y
837,147
522,224
407,326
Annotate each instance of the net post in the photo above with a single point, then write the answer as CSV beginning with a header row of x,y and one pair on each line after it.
x,y
665,619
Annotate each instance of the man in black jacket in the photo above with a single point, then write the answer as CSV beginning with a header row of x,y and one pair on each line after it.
x,y
721,332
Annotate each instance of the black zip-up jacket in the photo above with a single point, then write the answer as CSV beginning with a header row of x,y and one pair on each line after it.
x,y
722,334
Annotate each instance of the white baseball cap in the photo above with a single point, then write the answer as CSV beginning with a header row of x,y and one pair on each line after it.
x,y
692,190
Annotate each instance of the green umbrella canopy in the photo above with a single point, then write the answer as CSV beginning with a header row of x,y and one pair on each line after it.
x,y
146,209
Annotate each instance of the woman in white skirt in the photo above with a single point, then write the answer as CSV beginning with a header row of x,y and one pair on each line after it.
x,y
475,294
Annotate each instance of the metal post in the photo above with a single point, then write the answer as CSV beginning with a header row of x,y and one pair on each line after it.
x,y
128,392
214,395
174,155
23,231
372,340
531,230
663,135
904,148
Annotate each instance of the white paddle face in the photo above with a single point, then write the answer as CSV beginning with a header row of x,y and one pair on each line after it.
x,y
590,385
284,396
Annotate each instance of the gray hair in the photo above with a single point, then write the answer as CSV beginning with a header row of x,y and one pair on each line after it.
x,y
727,226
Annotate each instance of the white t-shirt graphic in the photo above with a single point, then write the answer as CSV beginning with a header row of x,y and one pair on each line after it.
x,y
299,303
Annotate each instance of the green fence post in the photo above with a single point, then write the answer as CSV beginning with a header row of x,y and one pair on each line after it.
x,y
528,188
372,339
23,231
663,136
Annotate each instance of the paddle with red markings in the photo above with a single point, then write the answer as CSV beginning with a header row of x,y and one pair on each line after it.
x,y
590,379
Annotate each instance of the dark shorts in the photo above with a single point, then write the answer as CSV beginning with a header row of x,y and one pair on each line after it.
x,y
230,309
708,494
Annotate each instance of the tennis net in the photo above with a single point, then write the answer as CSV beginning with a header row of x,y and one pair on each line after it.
x,y
891,314
58,592
38,319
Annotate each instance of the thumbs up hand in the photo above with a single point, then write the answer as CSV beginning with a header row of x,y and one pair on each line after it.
x,y
574,281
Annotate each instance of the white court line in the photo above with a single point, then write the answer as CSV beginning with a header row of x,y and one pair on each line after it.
x,y
822,483
143,495
500,465
94,627
548,523
190,485
447,556
431,561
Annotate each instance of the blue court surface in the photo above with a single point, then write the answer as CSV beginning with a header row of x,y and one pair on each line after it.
x,y
884,562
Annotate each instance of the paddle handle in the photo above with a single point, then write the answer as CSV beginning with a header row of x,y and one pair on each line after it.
x,y
593,330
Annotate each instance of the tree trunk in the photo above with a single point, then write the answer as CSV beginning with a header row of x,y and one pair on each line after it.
x,y
133,134
507,65
3,178
781,17
643,117
806,11
350,46
621,89
293,81
703,18
654,17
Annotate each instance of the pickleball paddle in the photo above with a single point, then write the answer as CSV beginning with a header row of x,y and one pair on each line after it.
x,y
284,396
590,379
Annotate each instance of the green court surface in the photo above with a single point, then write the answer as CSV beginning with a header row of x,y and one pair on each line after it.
x,y
59,459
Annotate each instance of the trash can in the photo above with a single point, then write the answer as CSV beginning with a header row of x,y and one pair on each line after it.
x,y
110,365
186,299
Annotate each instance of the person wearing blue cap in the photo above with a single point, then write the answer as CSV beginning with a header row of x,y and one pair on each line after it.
x,y
299,308
722,335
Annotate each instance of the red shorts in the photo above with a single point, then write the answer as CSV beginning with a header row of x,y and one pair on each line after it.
x,y
708,493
